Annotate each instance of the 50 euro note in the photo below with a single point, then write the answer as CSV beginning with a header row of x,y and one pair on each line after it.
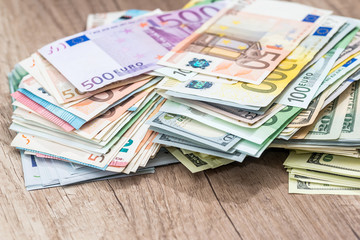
x,y
124,49
245,43
265,93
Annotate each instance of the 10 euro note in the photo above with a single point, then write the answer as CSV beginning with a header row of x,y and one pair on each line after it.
x,y
245,44
124,49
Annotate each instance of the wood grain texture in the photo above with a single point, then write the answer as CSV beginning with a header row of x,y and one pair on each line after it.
x,y
239,201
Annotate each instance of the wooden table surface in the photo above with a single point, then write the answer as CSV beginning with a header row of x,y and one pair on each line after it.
x,y
239,201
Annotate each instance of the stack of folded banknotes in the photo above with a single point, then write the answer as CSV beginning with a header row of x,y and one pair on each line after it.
x,y
206,85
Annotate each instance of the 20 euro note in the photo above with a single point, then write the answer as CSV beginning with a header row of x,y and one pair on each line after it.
x,y
123,49
245,44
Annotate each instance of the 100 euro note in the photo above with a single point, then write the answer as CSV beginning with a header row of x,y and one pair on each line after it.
x,y
123,49
245,44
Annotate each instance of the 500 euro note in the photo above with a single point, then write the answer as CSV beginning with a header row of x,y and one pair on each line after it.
x,y
58,86
246,44
123,49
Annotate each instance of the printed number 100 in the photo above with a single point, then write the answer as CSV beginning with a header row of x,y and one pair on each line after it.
x,y
299,95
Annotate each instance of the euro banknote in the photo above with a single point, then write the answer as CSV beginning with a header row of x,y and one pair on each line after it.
x,y
301,90
154,35
257,95
244,44
351,49
78,114
52,81
343,31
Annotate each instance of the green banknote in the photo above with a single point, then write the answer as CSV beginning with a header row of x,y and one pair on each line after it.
x,y
328,163
326,178
256,135
192,129
197,162
297,186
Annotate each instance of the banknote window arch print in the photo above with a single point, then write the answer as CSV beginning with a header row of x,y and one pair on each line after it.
x,y
228,47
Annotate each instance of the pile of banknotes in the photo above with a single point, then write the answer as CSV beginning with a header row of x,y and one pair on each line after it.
x,y
212,83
